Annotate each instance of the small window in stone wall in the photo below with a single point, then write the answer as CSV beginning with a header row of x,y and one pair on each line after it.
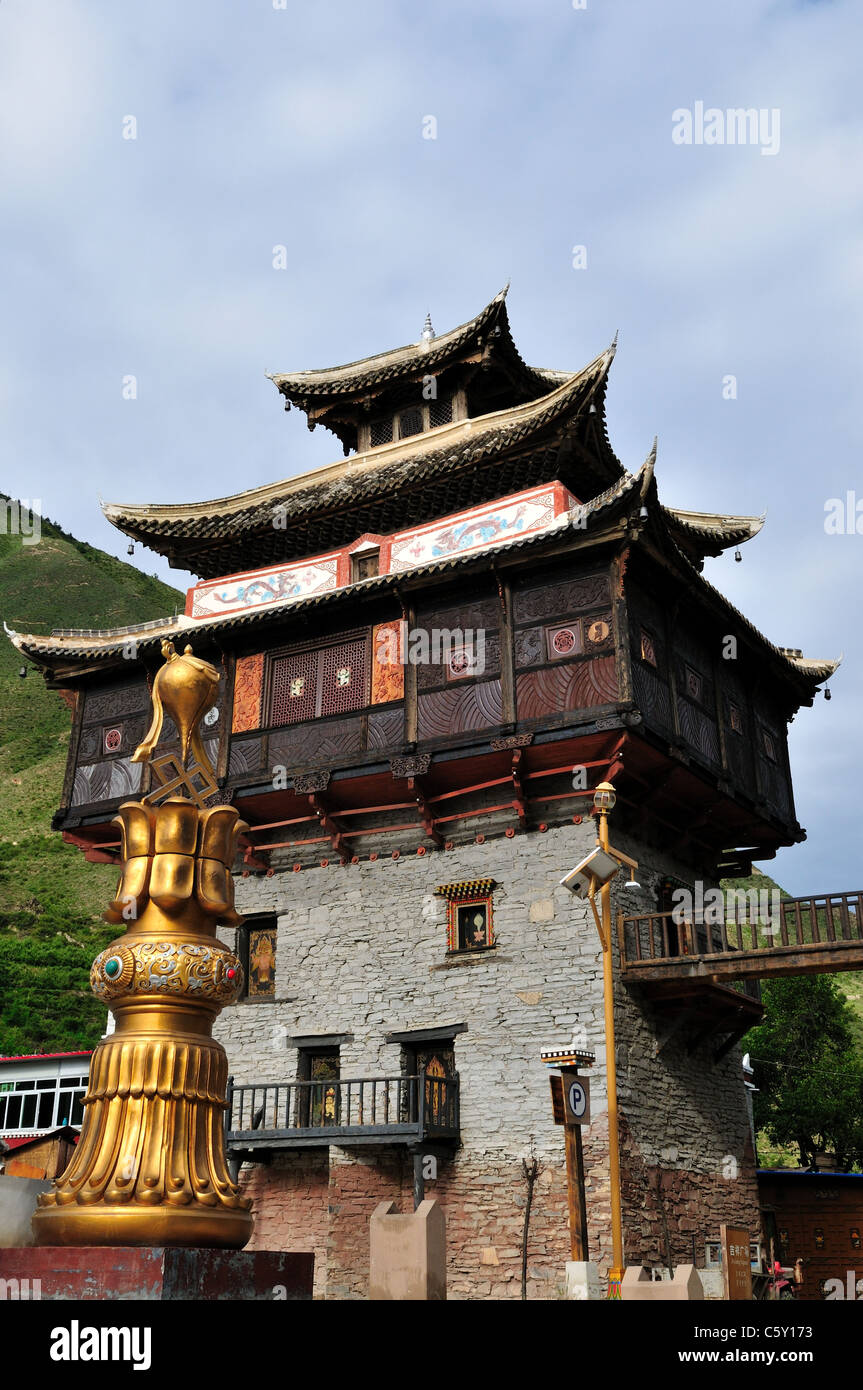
x,y
256,946
470,920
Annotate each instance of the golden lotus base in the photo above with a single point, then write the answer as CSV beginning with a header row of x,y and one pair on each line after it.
x,y
140,1225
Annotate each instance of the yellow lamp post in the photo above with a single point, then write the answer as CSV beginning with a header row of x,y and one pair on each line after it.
x,y
603,802
595,872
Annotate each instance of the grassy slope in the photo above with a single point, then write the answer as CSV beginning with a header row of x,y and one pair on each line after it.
x,y
50,897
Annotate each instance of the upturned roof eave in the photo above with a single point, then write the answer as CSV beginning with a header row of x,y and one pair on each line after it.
x,y
588,522
149,522
317,386
807,672
710,533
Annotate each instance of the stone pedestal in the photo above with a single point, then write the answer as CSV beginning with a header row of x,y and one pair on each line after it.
x,y
408,1253
116,1273
582,1281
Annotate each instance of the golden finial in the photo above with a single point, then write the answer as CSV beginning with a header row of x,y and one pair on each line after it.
x,y
185,688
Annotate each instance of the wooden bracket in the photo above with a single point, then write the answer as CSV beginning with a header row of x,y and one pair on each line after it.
x,y
426,814
327,824
519,801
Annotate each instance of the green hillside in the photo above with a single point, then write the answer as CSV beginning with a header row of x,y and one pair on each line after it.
x,y
51,899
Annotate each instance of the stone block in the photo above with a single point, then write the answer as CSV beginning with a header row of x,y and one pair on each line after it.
x,y
639,1286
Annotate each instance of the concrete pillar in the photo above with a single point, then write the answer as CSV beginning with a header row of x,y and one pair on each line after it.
x,y
408,1253
582,1281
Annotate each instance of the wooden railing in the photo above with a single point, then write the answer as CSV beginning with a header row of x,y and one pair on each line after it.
x,y
823,932
362,1109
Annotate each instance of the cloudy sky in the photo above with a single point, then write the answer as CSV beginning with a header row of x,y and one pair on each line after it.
x,y
259,126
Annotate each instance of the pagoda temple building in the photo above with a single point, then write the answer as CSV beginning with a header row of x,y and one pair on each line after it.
x,y
432,651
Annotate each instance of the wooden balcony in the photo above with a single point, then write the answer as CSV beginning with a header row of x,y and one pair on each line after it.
x,y
407,1110
811,936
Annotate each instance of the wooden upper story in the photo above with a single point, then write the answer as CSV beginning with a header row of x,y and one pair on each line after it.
x,y
445,626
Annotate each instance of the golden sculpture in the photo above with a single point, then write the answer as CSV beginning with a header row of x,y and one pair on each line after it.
x,y
184,688
150,1166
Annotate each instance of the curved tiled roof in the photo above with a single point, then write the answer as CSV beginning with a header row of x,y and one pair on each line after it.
x,y
709,533
429,355
88,646
621,500
187,531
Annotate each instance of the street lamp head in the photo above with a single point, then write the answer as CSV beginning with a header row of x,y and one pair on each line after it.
x,y
604,797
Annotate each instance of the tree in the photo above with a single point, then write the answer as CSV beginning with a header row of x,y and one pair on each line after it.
x,y
808,1071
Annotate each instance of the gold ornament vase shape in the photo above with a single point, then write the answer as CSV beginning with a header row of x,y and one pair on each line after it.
x,y
150,1167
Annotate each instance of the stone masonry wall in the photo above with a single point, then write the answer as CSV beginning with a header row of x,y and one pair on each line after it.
x,y
362,951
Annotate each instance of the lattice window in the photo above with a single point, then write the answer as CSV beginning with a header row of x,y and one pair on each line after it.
x,y
343,677
440,412
293,688
735,719
410,422
323,681
381,432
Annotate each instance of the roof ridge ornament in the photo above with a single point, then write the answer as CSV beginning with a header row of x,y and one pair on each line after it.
x,y
428,332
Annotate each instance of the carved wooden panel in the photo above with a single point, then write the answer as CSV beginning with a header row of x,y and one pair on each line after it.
x,y
774,786
248,684
646,614
324,740
388,672
475,613
529,646
699,730
107,702
459,708
247,756
485,649
106,781
652,697
562,688
386,728
558,599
